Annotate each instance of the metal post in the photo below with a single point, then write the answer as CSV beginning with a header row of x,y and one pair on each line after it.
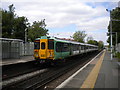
x,y
111,34
25,35
116,42
116,38
25,41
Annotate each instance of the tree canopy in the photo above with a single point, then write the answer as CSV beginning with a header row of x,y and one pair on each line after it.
x,y
37,29
8,22
14,26
79,36
90,40
115,14
93,42
100,44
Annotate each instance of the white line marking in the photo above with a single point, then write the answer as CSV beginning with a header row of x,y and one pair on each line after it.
x,y
70,78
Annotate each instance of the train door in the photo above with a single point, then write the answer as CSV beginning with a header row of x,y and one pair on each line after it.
x,y
43,48
50,51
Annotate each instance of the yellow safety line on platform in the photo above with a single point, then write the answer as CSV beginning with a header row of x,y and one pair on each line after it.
x,y
92,77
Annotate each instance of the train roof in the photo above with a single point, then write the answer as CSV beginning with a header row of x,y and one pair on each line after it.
x,y
67,41
91,45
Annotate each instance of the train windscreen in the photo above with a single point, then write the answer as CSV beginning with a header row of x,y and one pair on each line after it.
x,y
36,45
43,45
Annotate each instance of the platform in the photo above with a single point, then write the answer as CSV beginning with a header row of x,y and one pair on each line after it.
x,y
23,59
101,72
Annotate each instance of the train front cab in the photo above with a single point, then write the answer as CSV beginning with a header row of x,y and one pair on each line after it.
x,y
44,50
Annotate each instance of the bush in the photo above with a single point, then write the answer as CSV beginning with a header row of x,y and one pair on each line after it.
x,y
118,56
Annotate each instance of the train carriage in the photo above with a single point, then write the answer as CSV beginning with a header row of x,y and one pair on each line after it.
x,y
48,49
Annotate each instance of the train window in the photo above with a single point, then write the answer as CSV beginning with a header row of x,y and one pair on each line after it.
x,y
62,47
42,45
81,47
50,44
36,45
65,47
75,47
58,47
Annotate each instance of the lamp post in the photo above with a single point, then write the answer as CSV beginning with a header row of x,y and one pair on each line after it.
x,y
116,39
25,35
116,32
25,44
110,33
116,42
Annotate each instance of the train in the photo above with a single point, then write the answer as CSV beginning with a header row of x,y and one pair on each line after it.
x,y
51,49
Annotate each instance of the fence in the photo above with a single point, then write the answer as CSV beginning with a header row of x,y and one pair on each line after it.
x,y
15,48
26,48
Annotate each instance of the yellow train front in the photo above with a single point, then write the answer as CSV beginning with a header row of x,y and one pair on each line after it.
x,y
43,49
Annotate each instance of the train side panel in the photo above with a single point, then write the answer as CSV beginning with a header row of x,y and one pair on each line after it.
x,y
61,50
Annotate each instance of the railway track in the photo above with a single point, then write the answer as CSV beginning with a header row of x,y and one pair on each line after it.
x,y
13,70
38,79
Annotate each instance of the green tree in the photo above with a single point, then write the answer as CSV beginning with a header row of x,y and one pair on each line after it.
x,y
12,25
8,22
89,38
115,14
0,22
93,42
37,29
79,36
100,44
20,25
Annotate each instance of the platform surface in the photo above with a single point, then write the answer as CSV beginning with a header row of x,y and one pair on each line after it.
x,y
22,59
102,72
109,75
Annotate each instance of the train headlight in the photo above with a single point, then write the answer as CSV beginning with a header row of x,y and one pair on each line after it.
x,y
50,55
36,54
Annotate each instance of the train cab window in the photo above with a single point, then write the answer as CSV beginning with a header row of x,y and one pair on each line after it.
x,y
36,45
50,44
42,45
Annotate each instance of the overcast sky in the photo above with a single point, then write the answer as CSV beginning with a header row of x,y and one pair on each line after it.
x,y
64,17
